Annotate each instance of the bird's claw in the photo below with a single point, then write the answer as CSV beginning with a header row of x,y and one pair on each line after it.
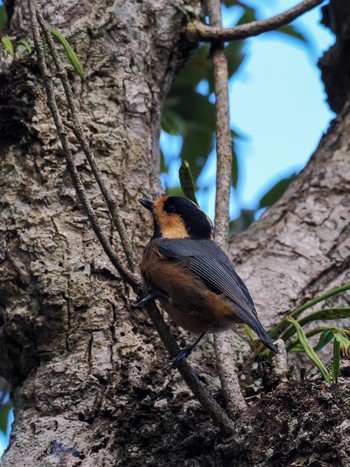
x,y
184,353
144,300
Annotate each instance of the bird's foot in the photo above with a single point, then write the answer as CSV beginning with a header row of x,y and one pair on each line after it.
x,y
184,353
149,298
144,300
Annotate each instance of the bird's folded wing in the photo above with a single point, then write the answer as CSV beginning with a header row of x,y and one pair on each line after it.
x,y
208,261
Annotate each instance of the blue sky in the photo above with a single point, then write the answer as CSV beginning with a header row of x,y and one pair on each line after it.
x,y
277,103
277,99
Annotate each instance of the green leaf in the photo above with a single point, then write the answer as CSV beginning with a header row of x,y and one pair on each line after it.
x,y
242,222
250,335
172,122
8,45
234,169
276,191
248,14
326,314
174,191
163,167
186,182
3,17
23,43
297,311
343,340
72,57
4,416
196,147
325,338
336,361
229,3
199,116
198,67
234,56
322,341
310,351
291,31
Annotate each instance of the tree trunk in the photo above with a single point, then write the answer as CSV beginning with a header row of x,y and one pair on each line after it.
x,y
90,377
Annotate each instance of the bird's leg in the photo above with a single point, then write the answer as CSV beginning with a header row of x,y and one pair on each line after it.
x,y
149,297
184,353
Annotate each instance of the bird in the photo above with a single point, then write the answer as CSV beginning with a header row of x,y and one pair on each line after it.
x,y
191,276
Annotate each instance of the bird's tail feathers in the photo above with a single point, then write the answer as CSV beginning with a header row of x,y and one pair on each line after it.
x,y
254,323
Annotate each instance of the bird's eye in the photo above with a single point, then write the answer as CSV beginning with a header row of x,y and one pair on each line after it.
x,y
170,209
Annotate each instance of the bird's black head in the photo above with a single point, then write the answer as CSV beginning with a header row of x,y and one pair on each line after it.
x,y
177,217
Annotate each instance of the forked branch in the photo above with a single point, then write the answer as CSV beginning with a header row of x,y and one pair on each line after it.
x,y
197,31
77,182
79,134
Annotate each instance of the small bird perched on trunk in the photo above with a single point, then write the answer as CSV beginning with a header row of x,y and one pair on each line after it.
x,y
191,276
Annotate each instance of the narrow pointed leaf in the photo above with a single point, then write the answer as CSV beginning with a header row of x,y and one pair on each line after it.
x,y
8,45
336,361
23,43
325,338
297,311
343,341
322,342
3,17
234,169
4,416
291,31
276,192
326,314
72,57
310,351
186,182
173,191
250,335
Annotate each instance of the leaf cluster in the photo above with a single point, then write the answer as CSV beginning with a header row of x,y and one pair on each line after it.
x,y
338,336
71,55
12,48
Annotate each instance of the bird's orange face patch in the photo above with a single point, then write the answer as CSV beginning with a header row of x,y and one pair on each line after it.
x,y
171,225
160,201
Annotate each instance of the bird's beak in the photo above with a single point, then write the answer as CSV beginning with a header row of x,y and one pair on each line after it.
x,y
146,203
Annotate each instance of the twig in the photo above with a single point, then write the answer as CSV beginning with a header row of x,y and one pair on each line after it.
x,y
235,402
213,409
197,31
222,342
208,403
78,185
280,362
79,133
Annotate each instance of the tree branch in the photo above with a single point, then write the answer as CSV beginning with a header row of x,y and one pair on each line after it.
x,y
213,409
77,129
78,185
197,31
223,342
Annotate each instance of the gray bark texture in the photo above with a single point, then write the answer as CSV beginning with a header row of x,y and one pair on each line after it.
x,y
91,382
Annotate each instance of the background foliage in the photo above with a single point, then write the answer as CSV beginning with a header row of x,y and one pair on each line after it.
x,y
189,113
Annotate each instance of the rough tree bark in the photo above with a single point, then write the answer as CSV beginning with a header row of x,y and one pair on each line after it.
x,y
91,381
